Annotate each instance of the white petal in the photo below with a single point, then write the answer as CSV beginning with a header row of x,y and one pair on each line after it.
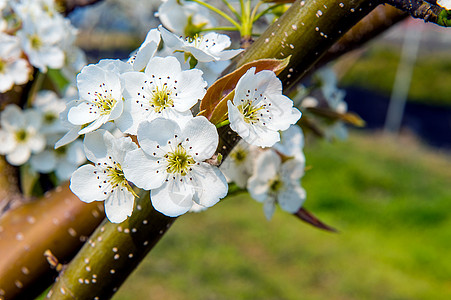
x,y
95,125
228,54
210,184
89,186
83,113
267,165
292,198
19,155
44,162
144,171
191,87
64,170
69,137
172,199
12,117
157,132
119,206
170,39
7,142
203,137
163,67
96,145
269,207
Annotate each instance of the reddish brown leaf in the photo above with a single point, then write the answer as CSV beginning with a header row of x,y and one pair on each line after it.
x,y
224,86
309,218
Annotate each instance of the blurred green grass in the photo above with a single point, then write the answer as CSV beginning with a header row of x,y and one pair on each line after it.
x,y
391,203
376,70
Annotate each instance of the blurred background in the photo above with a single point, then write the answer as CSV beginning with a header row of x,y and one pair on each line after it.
x,y
387,188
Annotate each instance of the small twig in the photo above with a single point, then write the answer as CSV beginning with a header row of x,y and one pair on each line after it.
x,y
429,11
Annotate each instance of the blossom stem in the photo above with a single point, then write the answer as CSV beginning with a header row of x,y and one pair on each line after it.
x,y
265,11
223,123
36,86
254,11
232,9
219,12
224,28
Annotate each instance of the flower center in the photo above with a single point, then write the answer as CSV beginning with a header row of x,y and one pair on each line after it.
x,y
21,135
239,155
179,161
49,118
249,112
275,185
116,177
61,151
105,104
161,98
2,66
35,41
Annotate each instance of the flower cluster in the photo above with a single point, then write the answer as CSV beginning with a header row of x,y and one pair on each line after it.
x,y
271,175
150,98
28,137
326,96
33,33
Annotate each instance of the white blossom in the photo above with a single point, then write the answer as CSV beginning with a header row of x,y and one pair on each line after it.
x,y
64,161
19,134
50,106
41,42
259,110
180,16
13,69
163,90
171,164
276,182
291,143
209,47
101,98
445,4
105,181
239,164
146,51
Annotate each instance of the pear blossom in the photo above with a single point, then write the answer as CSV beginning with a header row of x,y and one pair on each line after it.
x,y
162,91
40,41
239,164
209,47
13,69
19,134
146,51
170,163
50,106
445,4
101,98
105,181
274,182
64,161
259,110
291,143
182,17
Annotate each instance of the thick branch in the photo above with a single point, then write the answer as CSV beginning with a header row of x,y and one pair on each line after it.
x,y
111,254
59,222
425,10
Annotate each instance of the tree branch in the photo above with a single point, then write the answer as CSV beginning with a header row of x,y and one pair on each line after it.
x,y
58,222
429,11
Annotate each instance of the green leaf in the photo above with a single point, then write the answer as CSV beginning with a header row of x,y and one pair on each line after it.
x,y
58,79
214,104
29,181
444,18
